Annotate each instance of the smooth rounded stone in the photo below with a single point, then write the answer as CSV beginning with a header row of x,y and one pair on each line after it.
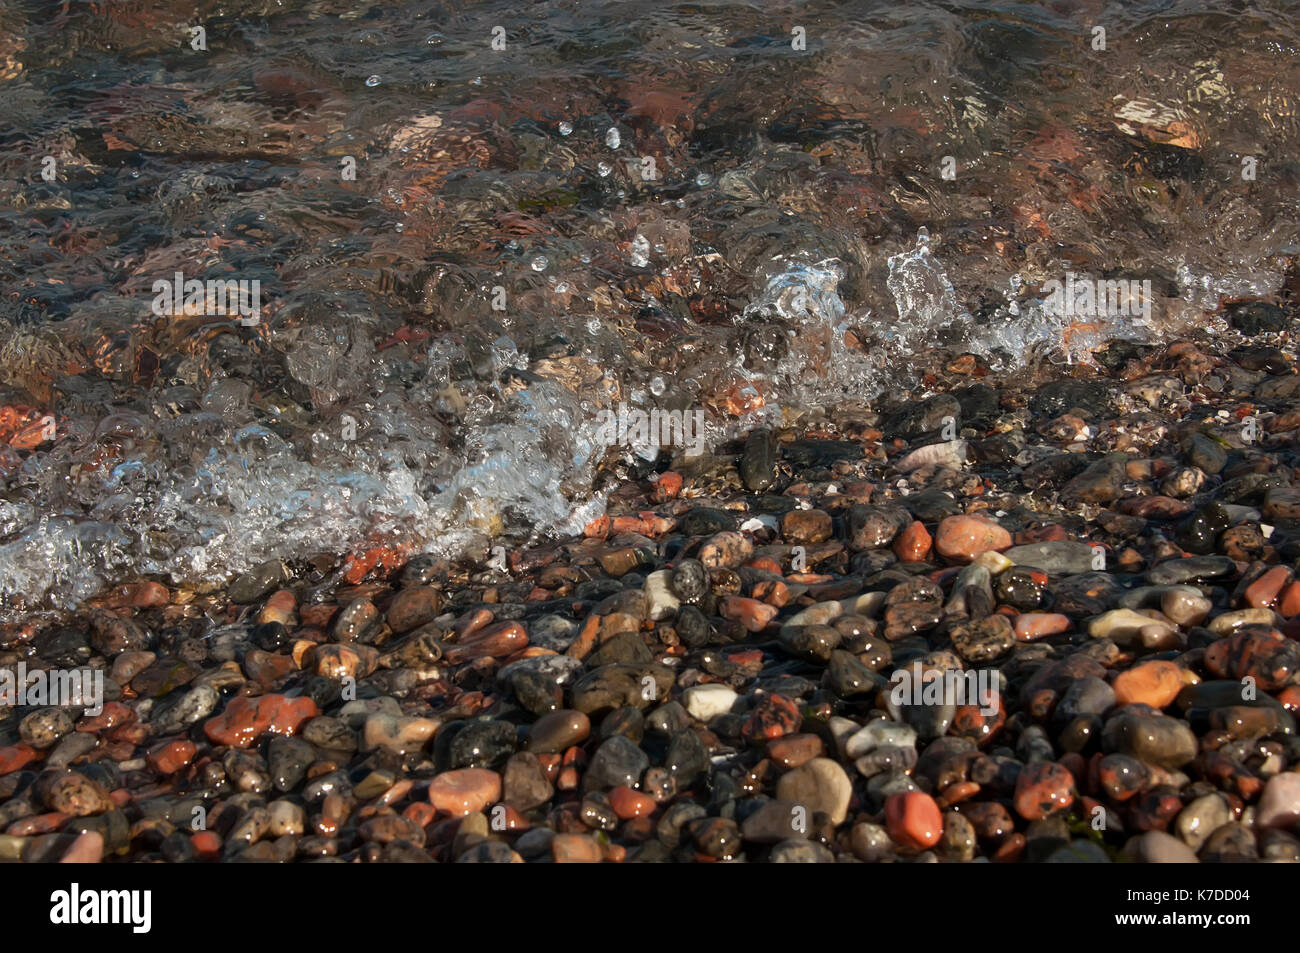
x,y
285,818
870,842
1229,622
169,718
524,783
669,719
1086,594
725,550
257,583
952,454
687,759
962,538
329,734
413,607
552,632
1121,626
820,613
1042,789
777,820
879,733
618,762
972,592
1279,805
1078,852
1100,482
558,731
819,785
1022,589
886,759
355,622
76,795
706,702
800,852
1199,533
1192,569
1163,741
1155,683
1200,818
715,837
841,730
958,842
790,751
693,627
42,728
537,692
984,641
758,461
671,827
807,527
70,748
1183,482
874,527
482,744
904,619
1086,696
913,820
690,581
400,734
771,717
848,676
466,791
1157,847
661,602
1205,453
613,686
1279,846
288,759
1058,557
812,642
624,648
1233,843
489,852
355,713
930,721
535,842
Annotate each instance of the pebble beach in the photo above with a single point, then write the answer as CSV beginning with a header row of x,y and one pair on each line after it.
x,y
638,435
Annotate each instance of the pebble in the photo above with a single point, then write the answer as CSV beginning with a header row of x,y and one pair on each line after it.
x,y
464,791
913,820
819,785
706,702
962,538
1155,683
1042,789
1279,805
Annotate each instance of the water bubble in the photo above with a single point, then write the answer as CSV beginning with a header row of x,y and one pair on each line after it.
x,y
566,128
703,179
539,263
434,39
612,138
400,227
657,386
373,80
562,288
604,168
593,326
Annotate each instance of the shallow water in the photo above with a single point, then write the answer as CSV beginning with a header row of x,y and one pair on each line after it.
x,y
630,204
